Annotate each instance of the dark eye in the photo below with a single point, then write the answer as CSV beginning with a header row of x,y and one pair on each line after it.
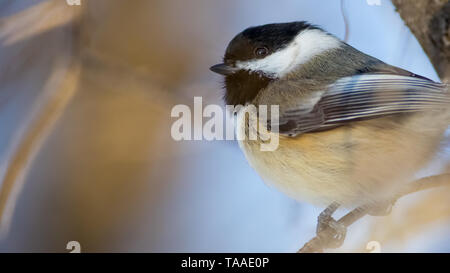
x,y
261,51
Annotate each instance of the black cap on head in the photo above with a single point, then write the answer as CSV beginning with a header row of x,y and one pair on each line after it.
x,y
272,37
242,85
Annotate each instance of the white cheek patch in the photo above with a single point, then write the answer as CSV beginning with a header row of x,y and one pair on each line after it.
x,y
303,48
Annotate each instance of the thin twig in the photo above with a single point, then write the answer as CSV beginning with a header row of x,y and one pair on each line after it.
x,y
319,242
34,138
346,24
55,95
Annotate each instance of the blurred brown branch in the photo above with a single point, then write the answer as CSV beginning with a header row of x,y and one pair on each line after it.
x,y
56,93
429,21
321,241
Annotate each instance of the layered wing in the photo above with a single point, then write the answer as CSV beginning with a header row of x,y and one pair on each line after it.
x,y
364,97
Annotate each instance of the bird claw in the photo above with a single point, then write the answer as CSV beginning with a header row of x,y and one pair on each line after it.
x,y
330,231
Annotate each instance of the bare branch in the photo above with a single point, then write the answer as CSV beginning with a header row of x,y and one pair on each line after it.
x,y
321,242
429,21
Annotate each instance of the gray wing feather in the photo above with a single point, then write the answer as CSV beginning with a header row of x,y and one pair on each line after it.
x,y
364,97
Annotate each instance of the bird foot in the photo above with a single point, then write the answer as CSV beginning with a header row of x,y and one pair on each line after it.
x,y
330,231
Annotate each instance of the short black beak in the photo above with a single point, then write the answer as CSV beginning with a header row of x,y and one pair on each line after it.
x,y
223,69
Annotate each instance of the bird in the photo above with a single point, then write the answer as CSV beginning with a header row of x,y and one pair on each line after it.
x,y
352,129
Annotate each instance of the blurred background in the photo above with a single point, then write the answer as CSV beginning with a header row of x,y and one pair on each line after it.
x,y
85,147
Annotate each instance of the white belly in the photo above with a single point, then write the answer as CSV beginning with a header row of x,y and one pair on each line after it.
x,y
364,162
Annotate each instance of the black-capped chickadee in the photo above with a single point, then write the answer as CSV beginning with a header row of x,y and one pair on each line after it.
x,y
352,129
